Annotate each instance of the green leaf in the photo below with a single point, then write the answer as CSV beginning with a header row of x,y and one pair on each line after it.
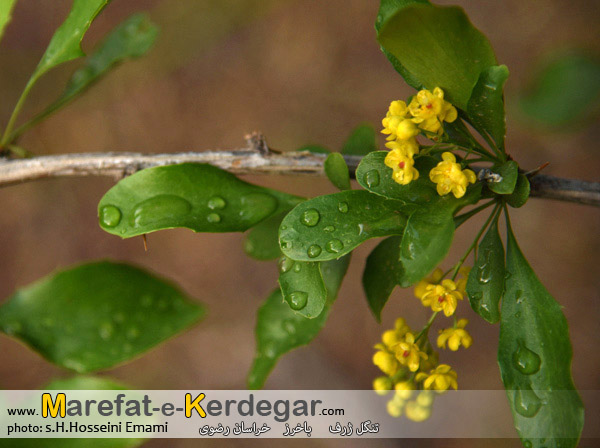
x,y
519,197
130,40
438,47
6,7
315,149
509,171
327,227
486,280
302,286
535,354
361,141
97,315
262,242
195,196
337,171
564,92
383,272
428,235
84,382
373,175
280,330
486,105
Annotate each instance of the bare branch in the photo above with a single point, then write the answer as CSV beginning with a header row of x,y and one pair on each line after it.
x,y
250,160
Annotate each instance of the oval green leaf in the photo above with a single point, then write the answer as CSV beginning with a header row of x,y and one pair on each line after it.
x,y
361,141
507,181
195,196
383,272
302,286
535,354
280,330
6,7
519,197
97,315
438,47
327,227
486,280
373,175
262,242
337,171
486,105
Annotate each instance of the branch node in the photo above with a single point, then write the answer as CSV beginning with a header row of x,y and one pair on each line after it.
x,y
257,142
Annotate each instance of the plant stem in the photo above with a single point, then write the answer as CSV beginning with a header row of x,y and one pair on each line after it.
x,y
15,113
460,219
425,329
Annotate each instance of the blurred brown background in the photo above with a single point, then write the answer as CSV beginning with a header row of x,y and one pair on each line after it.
x,y
300,71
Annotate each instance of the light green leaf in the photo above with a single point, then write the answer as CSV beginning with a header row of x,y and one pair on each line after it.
x,y
195,196
327,227
519,197
508,171
84,382
486,280
6,7
373,175
97,315
535,354
337,171
383,272
262,242
361,141
438,47
302,286
428,235
564,92
280,330
486,105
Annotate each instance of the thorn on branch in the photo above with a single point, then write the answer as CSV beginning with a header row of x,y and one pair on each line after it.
x,y
257,142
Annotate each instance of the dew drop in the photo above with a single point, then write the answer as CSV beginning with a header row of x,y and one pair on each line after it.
x,y
216,203
110,216
156,210
328,229
314,251
361,229
286,244
288,326
477,296
334,246
297,267
285,264
484,274
284,227
269,351
527,403
310,217
526,361
372,178
343,207
213,218
410,251
298,300
106,330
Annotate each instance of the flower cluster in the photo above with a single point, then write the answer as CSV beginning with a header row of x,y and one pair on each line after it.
x,y
426,113
409,362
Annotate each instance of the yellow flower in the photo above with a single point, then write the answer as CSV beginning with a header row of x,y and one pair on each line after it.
x,y
386,361
455,337
404,389
404,171
430,110
409,147
443,297
397,122
382,385
416,412
425,398
441,378
409,354
450,178
401,326
434,278
461,283
394,408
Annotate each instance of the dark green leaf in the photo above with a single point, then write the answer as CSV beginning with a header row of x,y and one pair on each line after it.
x,y
337,171
302,286
564,92
508,172
361,141
327,227
438,47
262,242
486,280
130,40
373,175
383,271
428,235
6,7
97,315
458,133
280,330
486,105
535,354
195,196
519,197
315,149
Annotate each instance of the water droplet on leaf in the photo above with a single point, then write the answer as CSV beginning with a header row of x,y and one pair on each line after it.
x,y
155,210
110,215
216,203
526,361
213,218
298,300
310,217
372,178
328,229
343,207
288,326
106,330
314,251
285,264
527,403
334,246
297,267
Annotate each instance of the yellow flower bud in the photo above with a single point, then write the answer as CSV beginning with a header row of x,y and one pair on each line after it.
x,y
386,361
382,385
